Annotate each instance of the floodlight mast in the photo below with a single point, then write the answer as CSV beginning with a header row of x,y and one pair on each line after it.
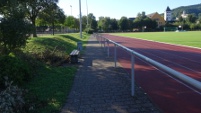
x,y
71,10
80,19
87,13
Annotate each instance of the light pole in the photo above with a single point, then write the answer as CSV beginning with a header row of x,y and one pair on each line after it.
x,y
80,19
71,9
87,14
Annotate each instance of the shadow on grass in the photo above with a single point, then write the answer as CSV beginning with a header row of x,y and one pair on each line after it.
x,y
84,39
72,38
58,43
76,38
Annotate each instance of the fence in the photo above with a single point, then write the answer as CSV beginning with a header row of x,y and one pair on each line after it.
x,y
181,76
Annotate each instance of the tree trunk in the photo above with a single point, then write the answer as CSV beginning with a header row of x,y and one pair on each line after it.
x,y
53,28
34,28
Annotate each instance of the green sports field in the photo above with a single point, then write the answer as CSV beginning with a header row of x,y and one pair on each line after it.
x,y
183,38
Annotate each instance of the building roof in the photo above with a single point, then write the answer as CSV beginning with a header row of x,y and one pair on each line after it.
x,y
132,18
151,15
168,9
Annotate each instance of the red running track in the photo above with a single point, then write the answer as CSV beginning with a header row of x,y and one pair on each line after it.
x,y
170,94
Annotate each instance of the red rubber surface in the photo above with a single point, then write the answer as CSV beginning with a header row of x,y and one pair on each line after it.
x,y
169,94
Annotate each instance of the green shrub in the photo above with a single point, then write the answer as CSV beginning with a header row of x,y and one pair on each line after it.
x,y
16,70
89,30
12,99
53,57
14,33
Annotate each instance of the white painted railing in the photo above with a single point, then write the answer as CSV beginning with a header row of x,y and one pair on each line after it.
x,y
181,76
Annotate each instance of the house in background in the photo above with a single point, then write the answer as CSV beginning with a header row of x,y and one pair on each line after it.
x,y
184,15
132,19
155,16
168,15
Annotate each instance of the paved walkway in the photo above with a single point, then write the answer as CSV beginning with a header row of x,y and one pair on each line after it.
x,y
100,88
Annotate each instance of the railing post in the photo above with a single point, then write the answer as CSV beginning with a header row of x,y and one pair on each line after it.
x,y
132,75
97,38
115,55
103,43
101,40
108,49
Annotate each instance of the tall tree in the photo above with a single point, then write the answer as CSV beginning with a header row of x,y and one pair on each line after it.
x,y
180,19
14,28
100,23
142,20
199,18
34,7
70,22
114,24
91,17
53,15
191,18
92,23
12,8
104,24
124,23
84,22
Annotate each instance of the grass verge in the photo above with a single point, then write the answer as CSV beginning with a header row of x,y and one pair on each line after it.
x,y
49,87
190,38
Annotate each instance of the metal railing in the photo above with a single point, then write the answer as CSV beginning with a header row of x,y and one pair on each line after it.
x,y
181,76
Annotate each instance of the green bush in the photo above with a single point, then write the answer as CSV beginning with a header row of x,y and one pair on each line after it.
x,y
12,99
16,70
13,33
89,30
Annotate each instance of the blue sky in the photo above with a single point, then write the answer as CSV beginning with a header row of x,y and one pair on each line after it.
x,y
118,8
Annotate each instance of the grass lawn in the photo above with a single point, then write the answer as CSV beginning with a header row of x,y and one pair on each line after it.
x,y
189,38
50,86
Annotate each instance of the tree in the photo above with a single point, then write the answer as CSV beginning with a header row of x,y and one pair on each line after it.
x,y
91,17
150,24
12,8
34,7
191,18
123,23
130,25
14,33
141,15
137,23
70,21
100,23
199,18
77,23
14,27
92,23
104,24
73,22
114,24
53,15
193,26
84,22
180,19
141,21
